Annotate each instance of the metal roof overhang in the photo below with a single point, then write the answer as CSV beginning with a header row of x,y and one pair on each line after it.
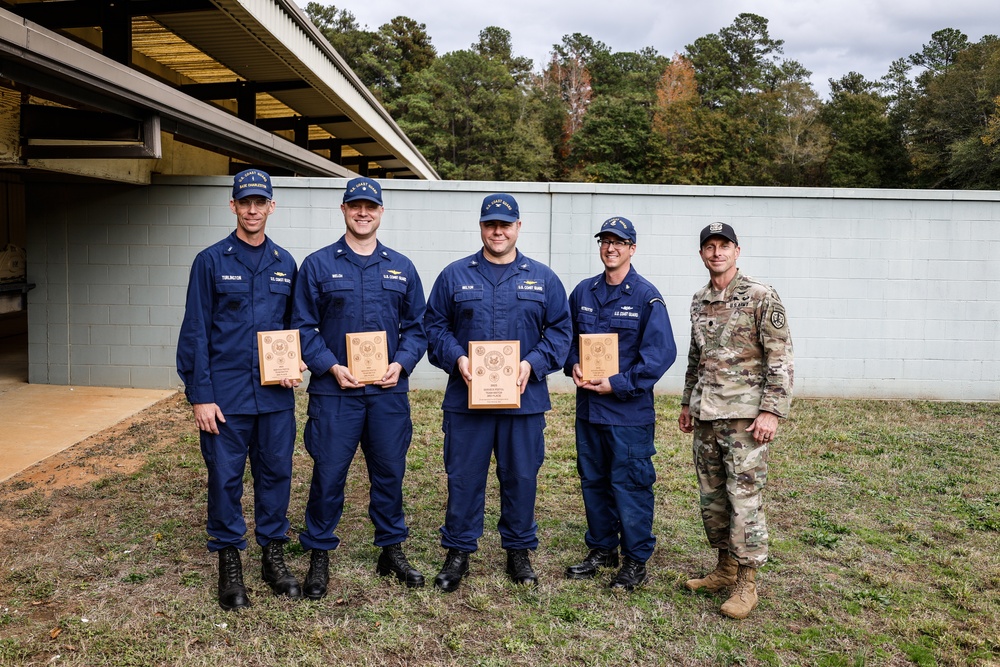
x,y
269,44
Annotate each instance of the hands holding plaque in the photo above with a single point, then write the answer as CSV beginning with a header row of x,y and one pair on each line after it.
x,y
279,355
367,356
598,356
495,367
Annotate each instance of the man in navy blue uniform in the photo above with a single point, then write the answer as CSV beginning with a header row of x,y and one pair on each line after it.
x,y
615,419
239,286
358,285
495,294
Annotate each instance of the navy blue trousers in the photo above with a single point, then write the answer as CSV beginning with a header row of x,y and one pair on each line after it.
x,y
337,424
616,476
470,440
268,441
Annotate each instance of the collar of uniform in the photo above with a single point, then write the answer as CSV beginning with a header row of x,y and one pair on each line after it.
x,y
733,284
520,263
631,278
233,244
270,251
627,285
725,294
342,250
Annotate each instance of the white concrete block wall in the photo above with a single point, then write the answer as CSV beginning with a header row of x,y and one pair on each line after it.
x,y
889,293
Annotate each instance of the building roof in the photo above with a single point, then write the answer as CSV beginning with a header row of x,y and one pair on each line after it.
x,y
251,79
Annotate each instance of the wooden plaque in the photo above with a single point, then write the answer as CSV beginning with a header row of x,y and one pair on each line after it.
x,y
495,366
367,356
598,355
279,353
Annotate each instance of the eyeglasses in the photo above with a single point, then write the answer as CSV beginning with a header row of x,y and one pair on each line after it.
x,y
618,243
247,202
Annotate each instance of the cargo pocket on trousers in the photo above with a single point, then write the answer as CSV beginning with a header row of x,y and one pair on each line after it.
x,y
641,472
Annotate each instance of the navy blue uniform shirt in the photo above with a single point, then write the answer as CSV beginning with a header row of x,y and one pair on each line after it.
x,y
635,311
228,302
339,292
527,302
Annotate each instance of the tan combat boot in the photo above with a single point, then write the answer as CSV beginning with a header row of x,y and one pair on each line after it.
x,y
723,576
744,597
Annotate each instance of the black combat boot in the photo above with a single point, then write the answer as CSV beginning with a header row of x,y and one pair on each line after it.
x,y
393,561
232,592
456,565
632,574
519,567
595,559
314,586
275,573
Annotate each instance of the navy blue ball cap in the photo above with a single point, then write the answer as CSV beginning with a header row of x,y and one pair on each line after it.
x,y
252,183
500,207
363,188
718,229
620,227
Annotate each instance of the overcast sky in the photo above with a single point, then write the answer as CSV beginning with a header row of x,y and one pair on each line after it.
x,y
830,38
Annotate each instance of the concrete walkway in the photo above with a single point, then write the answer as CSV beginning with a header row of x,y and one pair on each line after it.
x,y
39,420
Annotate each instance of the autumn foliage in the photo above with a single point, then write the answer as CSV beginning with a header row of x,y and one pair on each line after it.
x,y
727,110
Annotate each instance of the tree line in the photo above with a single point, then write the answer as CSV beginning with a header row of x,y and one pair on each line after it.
x,y
729,110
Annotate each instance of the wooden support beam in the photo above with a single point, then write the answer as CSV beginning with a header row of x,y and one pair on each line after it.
x,y
358,159
231,90
290,122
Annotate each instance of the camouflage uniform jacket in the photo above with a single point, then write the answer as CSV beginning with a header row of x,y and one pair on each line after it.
x,y
740,361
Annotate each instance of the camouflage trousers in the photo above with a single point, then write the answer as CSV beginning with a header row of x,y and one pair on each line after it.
x,y
732,471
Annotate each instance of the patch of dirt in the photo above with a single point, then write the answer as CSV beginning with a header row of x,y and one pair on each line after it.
x,y
108,452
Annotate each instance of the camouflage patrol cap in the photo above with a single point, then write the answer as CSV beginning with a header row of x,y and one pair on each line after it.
x,y
718,229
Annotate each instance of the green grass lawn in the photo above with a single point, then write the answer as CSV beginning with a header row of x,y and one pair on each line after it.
x,y
884,521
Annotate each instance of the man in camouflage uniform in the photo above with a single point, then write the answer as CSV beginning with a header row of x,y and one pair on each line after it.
x,y
738,383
